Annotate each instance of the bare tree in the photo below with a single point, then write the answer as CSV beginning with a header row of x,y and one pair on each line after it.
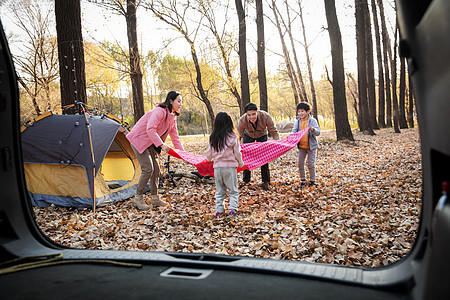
x,y
381,92
135,61
394,83
261,48
308,60
410,104
362,70
245,85
206,9
402,94
343,130
176,17
128,10
287,59
297,76
386,57
70,51
352,86
38,61
370,69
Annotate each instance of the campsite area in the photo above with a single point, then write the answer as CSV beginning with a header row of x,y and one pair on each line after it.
x,y
364,211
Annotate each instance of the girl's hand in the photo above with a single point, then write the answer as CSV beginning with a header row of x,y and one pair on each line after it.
x,y
311,128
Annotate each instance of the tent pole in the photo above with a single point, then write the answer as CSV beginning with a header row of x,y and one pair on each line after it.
x,y
92,154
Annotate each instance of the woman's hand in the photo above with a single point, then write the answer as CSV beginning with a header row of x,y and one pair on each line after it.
x,y
165,148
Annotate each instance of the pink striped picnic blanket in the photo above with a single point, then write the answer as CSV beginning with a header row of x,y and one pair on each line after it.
x,y
254,155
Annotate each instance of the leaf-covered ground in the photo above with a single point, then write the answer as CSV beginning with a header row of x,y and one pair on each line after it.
x,y
364,211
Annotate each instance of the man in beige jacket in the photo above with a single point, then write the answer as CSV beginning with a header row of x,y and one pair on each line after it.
x,y
253,126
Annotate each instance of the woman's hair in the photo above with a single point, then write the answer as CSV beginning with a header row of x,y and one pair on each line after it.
x,y
172,95
223,127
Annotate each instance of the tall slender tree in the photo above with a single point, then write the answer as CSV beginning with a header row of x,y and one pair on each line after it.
x,y
208,11
394,83
70,51
381,92
308,60
128,10
174,16
371,97
245,85
135,61
299,76
261,48
343,130
352,86
410,104
386,58
362,67
286,55
402,94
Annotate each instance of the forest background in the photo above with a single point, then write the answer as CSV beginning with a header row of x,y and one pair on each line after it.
x,y
194,47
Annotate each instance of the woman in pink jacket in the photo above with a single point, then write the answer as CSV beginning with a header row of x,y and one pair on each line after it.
x,y
147,139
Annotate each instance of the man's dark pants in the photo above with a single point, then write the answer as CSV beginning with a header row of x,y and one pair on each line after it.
x,y
265,168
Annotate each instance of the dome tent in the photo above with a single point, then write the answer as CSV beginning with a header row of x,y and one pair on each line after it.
x,y
78,161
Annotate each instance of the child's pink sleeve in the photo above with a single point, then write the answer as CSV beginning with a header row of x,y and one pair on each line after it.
x,y
209,153
238,154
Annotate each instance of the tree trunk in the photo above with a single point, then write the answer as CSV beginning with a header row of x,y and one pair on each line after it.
x,y
343,130
354,97
298,76
261,48
287,59
230,82
208,12
70,52
47,95
370,69
135,61
410,104
308,62
178,23
386,55
381,92
394,84
245,85
200,88
402,96
32,95
362,70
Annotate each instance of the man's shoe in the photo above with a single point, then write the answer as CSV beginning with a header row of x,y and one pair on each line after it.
x,y
265,186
